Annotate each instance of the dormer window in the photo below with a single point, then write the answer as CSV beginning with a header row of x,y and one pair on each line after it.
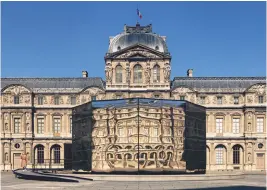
x,y
119,48
56,100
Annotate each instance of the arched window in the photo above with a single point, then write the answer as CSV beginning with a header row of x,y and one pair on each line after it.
x,y
56,152
236,154
138,72
219,154
40,154
119,74
156,73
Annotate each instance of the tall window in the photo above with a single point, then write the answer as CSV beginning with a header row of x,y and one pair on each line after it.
x,y
56,154
156,73
40,154
138,71
219,100
16,99
260,99
40,100
219,125
118,71
40,125
56,125
236,154
70,125
182,97
260,125
219,154
236,125
236,100
16,125
73,100
56,100
202,100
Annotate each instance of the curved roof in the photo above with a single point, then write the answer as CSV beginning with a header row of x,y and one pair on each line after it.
x,y
53,82
217,82
138,35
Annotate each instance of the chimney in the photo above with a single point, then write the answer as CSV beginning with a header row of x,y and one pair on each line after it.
x,y
190,72
85,74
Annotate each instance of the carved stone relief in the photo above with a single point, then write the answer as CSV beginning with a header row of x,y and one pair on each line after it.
x,y
109,73
167,72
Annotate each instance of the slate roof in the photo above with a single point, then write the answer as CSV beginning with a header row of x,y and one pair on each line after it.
x,y
217,82
54,82
138,35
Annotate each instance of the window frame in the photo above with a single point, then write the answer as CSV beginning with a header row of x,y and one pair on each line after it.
x,y
73,100
138,74
219,155
118,74
156,73
16,99
56,129
260,99
17,128
40,127
236,98
56,100
40,100
219,128
260,124
235,125
219,100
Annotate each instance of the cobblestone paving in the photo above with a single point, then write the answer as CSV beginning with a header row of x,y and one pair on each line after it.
x,y
257,182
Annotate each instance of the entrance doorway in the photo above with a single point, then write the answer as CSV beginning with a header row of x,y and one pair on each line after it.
x,y
68,156
16,160
260,161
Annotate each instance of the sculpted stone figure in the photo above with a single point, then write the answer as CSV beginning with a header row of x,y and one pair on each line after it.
x,y
167,72
109,72
147,74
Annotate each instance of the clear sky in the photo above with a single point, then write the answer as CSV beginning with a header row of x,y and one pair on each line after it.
x,y
60,39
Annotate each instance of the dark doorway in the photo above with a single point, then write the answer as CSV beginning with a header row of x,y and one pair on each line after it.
x,y
67,156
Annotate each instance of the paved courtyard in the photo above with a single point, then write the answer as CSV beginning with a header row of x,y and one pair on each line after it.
x,y
257,182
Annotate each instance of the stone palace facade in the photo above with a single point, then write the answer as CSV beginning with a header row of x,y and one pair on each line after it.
x,y
36,115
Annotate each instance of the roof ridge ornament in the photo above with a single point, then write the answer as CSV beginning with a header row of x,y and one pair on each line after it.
x,y
138,28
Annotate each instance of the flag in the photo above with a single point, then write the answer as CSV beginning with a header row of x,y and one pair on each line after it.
x,y
139,13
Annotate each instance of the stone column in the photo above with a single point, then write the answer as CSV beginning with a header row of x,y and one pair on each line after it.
x,y
3,153
9,158
32,152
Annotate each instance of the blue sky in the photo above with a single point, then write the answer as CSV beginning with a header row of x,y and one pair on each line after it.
x,y
60,39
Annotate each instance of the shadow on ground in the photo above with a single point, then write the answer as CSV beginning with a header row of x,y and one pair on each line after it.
x,y
232,188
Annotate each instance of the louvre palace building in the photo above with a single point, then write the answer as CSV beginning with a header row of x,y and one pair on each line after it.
x,y
36,113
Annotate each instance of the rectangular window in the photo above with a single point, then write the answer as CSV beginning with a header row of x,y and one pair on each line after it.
x,y
16,99
56,125
40,100
40,125
73,100
56,100
260,99
236,100
219,125
202,100
93,98
219,100
260,125
70,125
236,125
16,125
182,97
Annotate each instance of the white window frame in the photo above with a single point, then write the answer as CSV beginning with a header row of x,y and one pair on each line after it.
x,y
219,125
260,123
219,153
56,125
236,125
40,125
219,100
17,124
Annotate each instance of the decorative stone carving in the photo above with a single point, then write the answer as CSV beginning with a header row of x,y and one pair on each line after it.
x,y
109,73
260,89
167,72
250,99
147,75
16,90
134,53
27,99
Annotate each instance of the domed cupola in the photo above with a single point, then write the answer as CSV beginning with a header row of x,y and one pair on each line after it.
x,y
133,35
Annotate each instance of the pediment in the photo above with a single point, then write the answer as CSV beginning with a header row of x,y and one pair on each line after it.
x,y
16,89
258,89
137,51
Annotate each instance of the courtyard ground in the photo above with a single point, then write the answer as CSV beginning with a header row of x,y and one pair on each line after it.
x,y
250,182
